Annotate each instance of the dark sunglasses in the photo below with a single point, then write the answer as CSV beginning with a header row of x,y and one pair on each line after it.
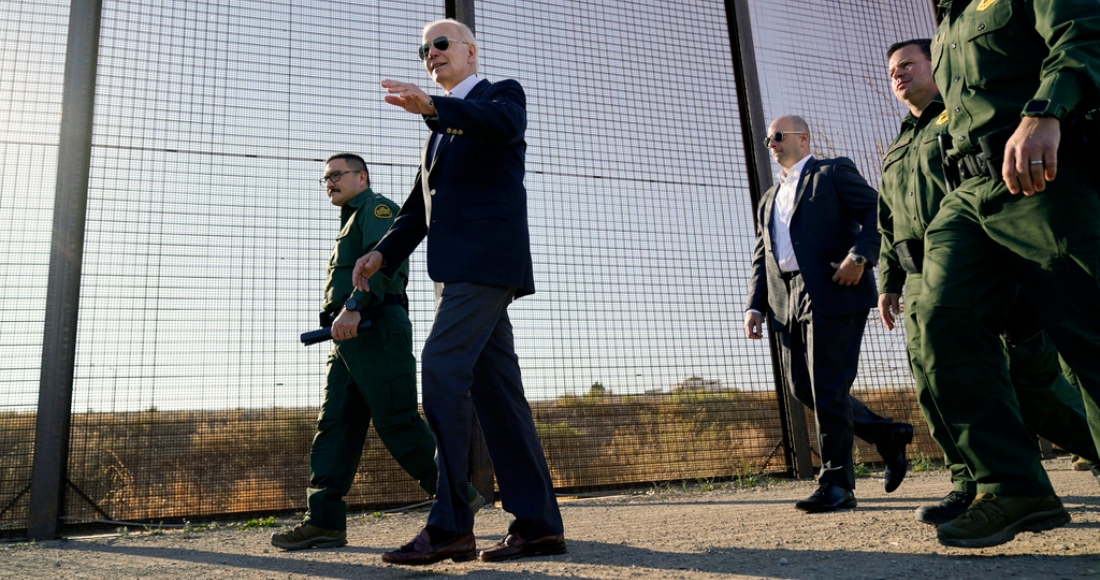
x,y
779,135
441,43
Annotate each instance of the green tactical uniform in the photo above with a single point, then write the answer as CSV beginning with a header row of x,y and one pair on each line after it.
x,y
992,59
1073,395
370,377
913,186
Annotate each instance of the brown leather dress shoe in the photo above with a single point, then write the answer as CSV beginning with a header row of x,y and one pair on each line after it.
x,y
513,547
422,551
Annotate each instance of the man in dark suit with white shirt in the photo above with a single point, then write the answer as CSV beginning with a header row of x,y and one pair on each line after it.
x,y
811,270
470,204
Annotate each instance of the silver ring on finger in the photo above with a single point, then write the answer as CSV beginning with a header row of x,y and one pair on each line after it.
x,y
1036,162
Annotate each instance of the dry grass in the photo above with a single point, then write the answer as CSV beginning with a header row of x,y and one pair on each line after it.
x,y
172,465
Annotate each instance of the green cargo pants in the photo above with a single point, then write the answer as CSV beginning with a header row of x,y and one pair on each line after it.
x,y
982,244
1037,376
1035,372
1087,405
370,378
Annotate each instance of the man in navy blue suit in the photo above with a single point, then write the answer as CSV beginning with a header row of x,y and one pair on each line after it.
x,y
816,236
469,201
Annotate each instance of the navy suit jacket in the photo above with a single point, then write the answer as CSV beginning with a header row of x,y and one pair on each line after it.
x,y
470,202
834,214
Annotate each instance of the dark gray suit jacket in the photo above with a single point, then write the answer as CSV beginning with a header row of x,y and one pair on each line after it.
x,y
834,214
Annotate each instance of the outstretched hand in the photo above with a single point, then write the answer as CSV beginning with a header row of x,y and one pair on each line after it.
x,y
409,97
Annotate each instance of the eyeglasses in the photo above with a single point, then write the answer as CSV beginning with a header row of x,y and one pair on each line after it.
x,y
441,43
334,177
779,135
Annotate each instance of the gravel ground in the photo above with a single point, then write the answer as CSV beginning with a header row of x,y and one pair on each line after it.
x,y
692,532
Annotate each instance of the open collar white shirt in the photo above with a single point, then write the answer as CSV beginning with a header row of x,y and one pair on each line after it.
x,y
463,88
783,211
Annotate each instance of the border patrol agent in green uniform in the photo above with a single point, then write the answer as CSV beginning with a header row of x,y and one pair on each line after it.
x,y
1073,394
913,186
371,373
1010,71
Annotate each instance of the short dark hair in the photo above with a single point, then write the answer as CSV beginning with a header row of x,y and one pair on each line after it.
x,y
355,163
925,45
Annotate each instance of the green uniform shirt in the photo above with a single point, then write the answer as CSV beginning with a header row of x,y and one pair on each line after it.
x,y
986,52
363,221
912,188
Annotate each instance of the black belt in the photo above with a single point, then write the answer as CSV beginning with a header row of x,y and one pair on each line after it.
x,y
973,165
788,275
373,312
401,300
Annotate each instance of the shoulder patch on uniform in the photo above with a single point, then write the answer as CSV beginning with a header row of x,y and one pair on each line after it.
x,y
985,4
942,118
383,211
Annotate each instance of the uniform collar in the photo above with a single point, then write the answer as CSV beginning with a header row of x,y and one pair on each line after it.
x,y
931,113
355,202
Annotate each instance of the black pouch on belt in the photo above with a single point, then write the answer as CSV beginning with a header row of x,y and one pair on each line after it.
x,y
910,255
993,150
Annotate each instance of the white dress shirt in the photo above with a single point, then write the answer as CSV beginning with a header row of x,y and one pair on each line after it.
x,y
784,208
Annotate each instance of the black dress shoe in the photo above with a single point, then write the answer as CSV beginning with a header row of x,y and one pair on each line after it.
x,y
950,507
828,498
461,548
514,546
892,449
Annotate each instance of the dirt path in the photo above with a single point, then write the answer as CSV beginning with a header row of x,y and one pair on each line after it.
x,y
670,533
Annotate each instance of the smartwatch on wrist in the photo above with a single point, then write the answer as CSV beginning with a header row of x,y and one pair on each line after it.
x,y
353,305
1043,108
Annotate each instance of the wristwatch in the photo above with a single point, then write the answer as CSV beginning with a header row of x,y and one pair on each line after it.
x,y
857,259
1044,108
353,305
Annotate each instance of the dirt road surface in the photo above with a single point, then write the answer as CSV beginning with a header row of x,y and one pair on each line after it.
x,y
679,532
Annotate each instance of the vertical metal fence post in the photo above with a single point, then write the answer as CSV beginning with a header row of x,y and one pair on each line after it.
x,y
462,11
481,466
55,391
753,130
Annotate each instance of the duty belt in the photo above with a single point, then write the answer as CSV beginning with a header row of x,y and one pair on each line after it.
x,y
374,312
973,165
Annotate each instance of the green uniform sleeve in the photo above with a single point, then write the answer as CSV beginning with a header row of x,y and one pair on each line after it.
x,y
891,278
1071,30
373,220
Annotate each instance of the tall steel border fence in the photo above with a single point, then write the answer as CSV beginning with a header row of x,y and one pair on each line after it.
x,y
163,238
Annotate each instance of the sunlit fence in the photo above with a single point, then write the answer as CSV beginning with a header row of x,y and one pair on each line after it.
x,y
205,235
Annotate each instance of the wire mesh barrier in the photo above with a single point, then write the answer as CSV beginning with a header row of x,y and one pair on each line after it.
x,y
826,61
31,63
206,235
